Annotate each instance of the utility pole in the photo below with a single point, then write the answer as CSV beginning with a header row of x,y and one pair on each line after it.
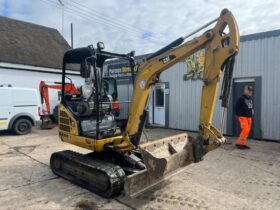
x,y
62,18
72,35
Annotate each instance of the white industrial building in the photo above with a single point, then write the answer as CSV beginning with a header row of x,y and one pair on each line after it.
x,y
178,103
30,53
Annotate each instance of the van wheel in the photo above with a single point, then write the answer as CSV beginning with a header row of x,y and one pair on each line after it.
x,y
22,126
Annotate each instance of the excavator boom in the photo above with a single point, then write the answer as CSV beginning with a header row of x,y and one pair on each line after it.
x,y
165,157
45,100
219,46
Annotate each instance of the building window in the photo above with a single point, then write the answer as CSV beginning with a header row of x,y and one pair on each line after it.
x,y
159,97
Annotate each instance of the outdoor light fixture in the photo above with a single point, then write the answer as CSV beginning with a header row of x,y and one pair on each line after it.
x,y
100,45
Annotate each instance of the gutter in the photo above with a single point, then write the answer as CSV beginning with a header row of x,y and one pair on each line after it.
x,y
11,66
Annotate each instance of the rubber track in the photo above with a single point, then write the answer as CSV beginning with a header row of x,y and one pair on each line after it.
x,y
115,176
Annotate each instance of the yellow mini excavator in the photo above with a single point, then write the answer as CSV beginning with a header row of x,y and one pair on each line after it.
x,y
117,161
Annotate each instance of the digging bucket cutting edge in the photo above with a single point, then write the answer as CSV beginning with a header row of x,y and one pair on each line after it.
x,y
163,158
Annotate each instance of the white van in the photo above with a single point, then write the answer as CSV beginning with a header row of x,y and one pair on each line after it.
x,y
19,109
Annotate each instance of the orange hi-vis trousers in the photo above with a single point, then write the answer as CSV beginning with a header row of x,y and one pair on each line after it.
x,y
245,124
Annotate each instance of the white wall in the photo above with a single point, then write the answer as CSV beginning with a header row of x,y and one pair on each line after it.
x,y
31,79
184,99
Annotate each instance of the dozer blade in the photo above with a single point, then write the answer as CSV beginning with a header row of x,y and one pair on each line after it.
x,y
163,158
47,123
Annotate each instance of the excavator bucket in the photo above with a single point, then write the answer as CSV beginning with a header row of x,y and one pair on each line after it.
x,y
47,123
162,158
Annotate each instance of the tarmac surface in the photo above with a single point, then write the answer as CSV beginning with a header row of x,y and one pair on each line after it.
x,y
228,178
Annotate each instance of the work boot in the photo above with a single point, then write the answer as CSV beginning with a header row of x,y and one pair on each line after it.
x,y
246,147
240,146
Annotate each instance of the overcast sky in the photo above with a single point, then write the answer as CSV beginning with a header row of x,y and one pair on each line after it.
x,y
140,25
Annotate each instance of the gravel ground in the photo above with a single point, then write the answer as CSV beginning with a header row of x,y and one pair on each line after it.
x,y
227,178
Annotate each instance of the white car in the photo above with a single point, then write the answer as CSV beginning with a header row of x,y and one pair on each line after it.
x,y
19,109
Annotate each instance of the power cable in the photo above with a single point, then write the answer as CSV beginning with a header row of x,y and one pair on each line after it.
x,y
75,11
101,16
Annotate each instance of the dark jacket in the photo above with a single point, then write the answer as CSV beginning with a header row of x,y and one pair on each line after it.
x,y
244,106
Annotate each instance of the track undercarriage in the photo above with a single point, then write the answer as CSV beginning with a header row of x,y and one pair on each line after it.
x,y
110,173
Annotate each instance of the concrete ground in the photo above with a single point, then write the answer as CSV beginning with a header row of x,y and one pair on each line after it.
x,y
228,178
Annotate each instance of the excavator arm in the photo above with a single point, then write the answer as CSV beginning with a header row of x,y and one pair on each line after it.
x,y
44,92
45,100
219,45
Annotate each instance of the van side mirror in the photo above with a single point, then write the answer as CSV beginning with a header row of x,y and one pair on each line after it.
x,y
85,69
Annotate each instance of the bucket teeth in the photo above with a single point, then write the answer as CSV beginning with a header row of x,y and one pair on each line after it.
x,y
171,149
167,155
155,166
163,158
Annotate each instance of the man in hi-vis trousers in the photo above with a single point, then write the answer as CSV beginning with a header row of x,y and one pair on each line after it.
x,y
244,111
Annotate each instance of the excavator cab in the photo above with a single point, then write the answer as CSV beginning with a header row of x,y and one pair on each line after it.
x,y
97,105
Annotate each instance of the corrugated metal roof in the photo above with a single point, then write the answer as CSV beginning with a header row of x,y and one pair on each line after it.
x,y
260,35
